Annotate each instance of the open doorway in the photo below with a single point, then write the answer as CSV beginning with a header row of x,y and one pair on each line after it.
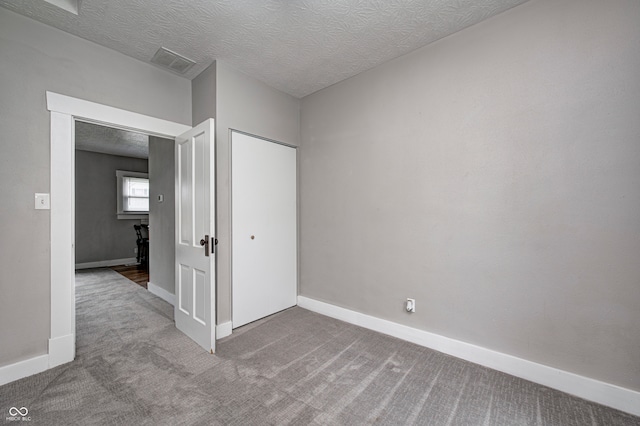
x,y
124,193
111,163
65,111
194,311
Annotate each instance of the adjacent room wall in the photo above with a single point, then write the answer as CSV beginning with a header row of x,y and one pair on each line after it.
x,y
37,58
100,235
162,214
493,176
245,104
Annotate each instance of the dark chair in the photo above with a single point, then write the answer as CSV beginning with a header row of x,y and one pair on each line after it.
x,y
142,233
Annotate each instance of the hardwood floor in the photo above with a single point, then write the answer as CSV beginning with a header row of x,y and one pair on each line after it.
x,y
136,273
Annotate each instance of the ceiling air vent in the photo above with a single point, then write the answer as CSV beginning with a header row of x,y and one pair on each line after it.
x,y
171,60
68,5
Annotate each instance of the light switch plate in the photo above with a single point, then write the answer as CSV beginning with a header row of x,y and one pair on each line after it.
x,y
43,202
160,198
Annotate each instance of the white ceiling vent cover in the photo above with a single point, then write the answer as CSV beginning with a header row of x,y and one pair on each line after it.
x,y
171,60
71,6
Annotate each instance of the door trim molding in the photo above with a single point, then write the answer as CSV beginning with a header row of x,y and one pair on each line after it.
x,y
65,110
96,113
584,387
288,145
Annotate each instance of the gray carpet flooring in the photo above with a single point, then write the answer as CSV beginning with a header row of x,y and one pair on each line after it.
x,y
296,367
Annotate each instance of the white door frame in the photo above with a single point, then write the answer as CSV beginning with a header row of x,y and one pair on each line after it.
x,y
65,111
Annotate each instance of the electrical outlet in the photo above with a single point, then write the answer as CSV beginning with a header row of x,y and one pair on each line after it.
x,y
135,250
411,305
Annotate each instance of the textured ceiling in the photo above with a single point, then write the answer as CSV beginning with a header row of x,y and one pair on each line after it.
x,y
297,46
95,138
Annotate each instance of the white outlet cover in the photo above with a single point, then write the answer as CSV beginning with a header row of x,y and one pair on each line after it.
x,y
42,201
411,305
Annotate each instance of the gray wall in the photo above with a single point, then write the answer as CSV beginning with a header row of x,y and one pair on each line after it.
x,y
203,91
100,235
162,215
36,58
241,103
493,176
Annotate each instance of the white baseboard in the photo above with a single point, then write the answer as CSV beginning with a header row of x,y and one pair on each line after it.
x,y
603,393
62,350
12,372
223,330
106,263
162,293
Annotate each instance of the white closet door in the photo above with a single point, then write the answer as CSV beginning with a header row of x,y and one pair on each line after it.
x,y
264,226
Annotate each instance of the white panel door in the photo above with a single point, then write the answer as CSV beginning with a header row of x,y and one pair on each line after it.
x,y
194,310
264,226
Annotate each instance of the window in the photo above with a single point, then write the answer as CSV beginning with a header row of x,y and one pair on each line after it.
x,y
133,195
